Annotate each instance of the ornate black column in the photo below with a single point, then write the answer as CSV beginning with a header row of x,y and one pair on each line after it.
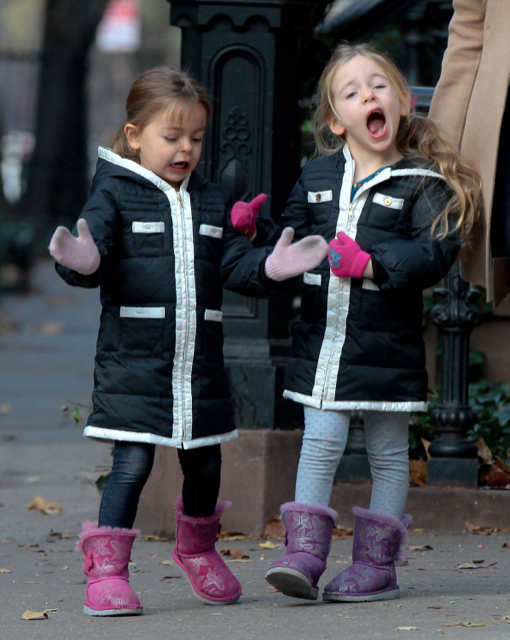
x,y
248,54
453,460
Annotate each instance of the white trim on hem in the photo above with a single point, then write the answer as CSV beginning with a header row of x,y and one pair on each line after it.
x,y
360,405
98,433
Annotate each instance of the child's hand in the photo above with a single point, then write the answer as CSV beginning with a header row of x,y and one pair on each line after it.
x,y
244,214
79,254
289,260
346,258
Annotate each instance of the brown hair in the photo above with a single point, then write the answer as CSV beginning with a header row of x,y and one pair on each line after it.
x,y
416,136
158,90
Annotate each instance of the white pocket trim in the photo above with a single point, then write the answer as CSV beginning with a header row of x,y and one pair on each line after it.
x,y
388,201
148,227
369,285
214,315
209,230
142,312
312,278
316,197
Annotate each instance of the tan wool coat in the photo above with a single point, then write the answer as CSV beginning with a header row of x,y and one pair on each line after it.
x,y
468,107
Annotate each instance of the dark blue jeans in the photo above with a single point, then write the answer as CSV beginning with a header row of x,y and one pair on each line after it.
x,y
132,464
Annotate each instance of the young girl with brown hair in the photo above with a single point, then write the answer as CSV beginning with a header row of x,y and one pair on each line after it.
x,y
156,237
395,203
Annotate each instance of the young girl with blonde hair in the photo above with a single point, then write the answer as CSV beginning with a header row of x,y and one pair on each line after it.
x,y
156,237
395,203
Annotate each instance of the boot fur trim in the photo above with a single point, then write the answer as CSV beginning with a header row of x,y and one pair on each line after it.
x,y
385,518
89,529
309,508
220,508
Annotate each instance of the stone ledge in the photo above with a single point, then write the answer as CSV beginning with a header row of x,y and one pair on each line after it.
x,y
259,472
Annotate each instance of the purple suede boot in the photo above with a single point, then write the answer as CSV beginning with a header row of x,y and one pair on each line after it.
x,y
379,542
308,532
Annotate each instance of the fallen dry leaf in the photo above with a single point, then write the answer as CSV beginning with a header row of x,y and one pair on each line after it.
x,y
505,545
484,453
274,527
406,629
272,590
5,570
426,445
5,408
36,615
234,553
418,472
45,506
423,547
167,563
232,537
464,624
482,531
153,538
341,532
505,618
472,565
268,545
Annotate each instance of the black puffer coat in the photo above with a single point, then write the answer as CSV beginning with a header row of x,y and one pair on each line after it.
x,y
165,255
359,343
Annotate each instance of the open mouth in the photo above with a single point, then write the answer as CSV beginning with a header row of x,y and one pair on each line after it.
x,y
376,124
179,166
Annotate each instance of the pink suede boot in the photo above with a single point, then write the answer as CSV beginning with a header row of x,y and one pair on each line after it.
x,y
107,552
210,578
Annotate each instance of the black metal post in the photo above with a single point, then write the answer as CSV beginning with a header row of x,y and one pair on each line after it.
x,y
248,54
453,460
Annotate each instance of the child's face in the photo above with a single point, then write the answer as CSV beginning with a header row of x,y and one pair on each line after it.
x,y
368,106
170,147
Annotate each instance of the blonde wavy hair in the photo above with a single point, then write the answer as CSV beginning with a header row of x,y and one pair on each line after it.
x,y
416,136
159,89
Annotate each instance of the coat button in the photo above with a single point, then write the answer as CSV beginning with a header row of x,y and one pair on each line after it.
x,y
388,201
318,197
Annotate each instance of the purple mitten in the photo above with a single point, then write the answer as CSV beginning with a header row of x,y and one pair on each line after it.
x,y
346,258
289,260
79,254
244,214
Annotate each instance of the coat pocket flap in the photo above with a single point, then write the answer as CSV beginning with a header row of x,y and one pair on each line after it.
x,y
320,196
142,312
312,278
388,201
369,284
209,230
214,315
148,227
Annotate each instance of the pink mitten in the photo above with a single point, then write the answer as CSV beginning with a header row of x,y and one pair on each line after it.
x,y
289,260
79,254
244,214
346,258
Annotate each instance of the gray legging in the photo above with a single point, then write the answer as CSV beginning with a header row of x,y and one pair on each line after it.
x,y
388,452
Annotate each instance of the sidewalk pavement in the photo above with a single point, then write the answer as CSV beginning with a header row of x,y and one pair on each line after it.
x,y
48,362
